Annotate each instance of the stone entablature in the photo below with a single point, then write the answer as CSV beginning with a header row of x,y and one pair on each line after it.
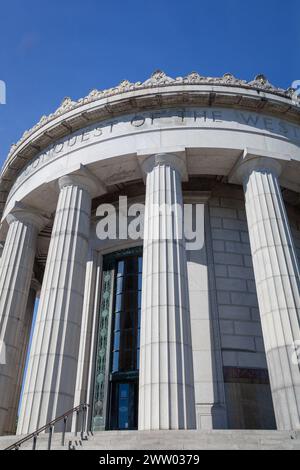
x,y
112,148
158,91
195,118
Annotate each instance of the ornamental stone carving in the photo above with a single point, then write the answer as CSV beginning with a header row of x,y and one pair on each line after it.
x,y
158,78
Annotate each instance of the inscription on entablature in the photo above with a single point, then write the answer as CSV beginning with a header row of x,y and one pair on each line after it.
x,y
166,118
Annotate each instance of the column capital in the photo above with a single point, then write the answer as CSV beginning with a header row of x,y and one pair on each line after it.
x,y
176,162
252,160
27,215
85,179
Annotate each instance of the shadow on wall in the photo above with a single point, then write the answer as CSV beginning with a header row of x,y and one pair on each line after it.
x,y
248,399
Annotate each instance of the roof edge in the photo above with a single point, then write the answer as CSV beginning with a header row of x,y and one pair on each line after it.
x,y
157,79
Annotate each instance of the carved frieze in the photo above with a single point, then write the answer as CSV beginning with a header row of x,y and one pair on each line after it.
x,y
157,79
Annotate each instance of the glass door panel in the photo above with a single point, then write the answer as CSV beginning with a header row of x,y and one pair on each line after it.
x,y
116,378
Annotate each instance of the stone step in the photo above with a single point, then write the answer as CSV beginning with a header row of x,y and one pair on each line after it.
x,y
168,440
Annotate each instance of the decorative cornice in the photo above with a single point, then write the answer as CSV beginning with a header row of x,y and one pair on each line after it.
x,y
158,79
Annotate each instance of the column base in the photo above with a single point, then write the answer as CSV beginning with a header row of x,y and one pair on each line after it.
x,y
211,417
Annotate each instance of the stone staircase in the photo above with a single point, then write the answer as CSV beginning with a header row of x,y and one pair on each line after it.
x,y
168,440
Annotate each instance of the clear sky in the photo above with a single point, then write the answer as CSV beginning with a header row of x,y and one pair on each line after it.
x,y
58,48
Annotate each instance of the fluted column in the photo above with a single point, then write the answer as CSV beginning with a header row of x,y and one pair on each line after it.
x,y
86,338
17,386
278,284
15,278
166,382
50,381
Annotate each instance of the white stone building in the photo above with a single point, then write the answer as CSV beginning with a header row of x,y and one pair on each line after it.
x,y
155,335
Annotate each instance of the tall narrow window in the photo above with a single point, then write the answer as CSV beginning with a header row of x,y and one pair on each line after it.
x,y
125,344
117,361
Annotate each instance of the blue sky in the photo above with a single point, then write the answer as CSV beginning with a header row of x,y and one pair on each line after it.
x,y
52,49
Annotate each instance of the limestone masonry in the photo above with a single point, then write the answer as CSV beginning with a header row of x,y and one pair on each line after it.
x,y
155,335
